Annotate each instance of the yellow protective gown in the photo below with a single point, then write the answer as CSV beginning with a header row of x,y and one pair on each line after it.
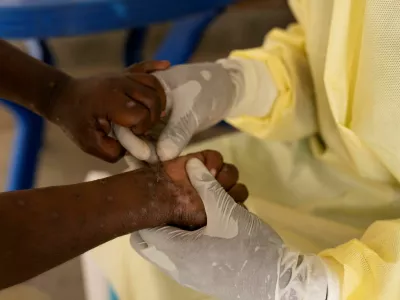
x,y
323,166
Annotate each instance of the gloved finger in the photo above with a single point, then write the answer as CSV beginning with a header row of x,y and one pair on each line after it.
x,y
149,66
137,243
160,246
133,163
176,134
239,193
97,143
137,147
217,203
128,112
228,176
148,97
164,238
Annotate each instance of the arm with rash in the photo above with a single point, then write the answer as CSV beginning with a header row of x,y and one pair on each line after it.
x,y
43,228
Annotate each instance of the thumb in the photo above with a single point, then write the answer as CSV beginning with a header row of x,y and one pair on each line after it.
x,y
217,202
137,147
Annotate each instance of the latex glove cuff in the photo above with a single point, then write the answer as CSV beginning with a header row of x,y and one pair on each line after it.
x,y
255,92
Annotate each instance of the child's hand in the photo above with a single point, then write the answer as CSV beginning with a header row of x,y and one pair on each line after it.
x,y
85,108
188,209
168,197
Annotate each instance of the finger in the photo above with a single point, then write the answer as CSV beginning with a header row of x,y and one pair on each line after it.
x,y
129,113
163,238
103,146
133,163
217,203
149,66
228,176
148,98
137,147
239,193
152,83
213,160
153,254
137,243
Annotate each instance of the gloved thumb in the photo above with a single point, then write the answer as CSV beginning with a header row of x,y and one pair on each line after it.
x,y
137,147
218,205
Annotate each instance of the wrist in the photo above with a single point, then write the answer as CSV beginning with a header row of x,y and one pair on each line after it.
x,y
54,93
134,200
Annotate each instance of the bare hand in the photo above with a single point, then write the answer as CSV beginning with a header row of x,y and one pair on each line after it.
x,y
85,108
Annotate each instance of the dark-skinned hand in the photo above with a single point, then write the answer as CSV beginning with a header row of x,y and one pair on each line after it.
x,y
86,108
168,196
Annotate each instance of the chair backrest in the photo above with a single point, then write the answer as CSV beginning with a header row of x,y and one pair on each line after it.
x,y
55,18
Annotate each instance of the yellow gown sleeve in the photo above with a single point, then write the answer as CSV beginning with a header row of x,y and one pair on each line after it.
x,y
369,268
292,115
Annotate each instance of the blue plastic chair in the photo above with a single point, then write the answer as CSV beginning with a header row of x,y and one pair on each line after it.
x,y
38,20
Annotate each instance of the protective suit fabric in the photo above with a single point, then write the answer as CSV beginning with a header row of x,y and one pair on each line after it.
x,y
323,165
23,291
351,52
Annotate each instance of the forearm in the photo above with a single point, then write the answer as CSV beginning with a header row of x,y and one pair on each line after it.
x,y
28,81
43,228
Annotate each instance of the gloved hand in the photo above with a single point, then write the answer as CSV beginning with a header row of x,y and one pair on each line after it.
x,y
199,96
235,256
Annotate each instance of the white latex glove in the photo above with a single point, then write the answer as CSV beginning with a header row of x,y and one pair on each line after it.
x,y
200,96
236,256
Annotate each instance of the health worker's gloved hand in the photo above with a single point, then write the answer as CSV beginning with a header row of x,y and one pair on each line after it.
x,y
198,97
235,256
